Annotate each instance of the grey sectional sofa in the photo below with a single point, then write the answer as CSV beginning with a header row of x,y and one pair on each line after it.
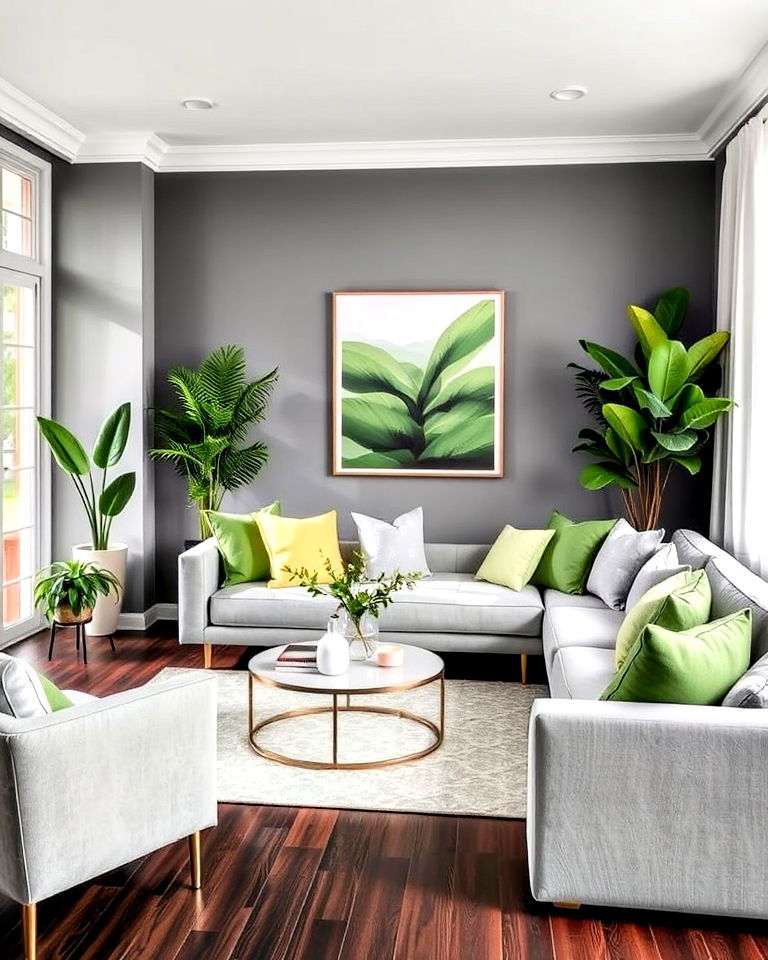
x,y
655,806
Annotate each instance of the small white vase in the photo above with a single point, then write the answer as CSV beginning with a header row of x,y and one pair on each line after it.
x,y
332,651
107,609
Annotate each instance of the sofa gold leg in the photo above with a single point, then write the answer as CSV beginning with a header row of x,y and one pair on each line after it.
x,y
29,925
208,655
565,905
195,861
524,668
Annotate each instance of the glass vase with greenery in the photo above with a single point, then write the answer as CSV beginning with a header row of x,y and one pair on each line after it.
x,y
358,595
67,590
102,501
654,412
203,438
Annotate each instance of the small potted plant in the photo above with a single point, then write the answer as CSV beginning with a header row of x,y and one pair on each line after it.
x,y
361,598
67,591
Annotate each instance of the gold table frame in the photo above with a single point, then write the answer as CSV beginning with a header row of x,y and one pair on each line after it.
x,y
438,730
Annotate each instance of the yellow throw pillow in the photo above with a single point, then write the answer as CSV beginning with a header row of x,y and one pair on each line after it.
x,y
513,558
308,542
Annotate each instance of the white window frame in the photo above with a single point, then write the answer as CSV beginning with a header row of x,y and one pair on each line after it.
x,y
38,268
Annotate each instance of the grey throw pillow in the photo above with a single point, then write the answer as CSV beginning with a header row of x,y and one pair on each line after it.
x,y
623,553
665,563
751,689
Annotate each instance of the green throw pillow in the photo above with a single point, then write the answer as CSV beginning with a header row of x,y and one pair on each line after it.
x,y
240,544
57,699
569,555
698,666
514,556
677,603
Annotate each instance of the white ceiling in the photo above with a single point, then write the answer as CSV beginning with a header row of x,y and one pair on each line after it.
x,y
324,71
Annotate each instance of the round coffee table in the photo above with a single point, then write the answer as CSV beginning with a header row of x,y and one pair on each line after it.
x,y
420,667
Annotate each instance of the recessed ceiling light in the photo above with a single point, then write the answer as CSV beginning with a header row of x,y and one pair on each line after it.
x,y
569,93
198,103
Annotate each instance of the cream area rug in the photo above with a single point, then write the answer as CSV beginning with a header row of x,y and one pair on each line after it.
x,y
480,768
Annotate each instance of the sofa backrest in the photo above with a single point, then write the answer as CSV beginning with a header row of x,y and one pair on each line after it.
x,y
442,557
695,549
734,587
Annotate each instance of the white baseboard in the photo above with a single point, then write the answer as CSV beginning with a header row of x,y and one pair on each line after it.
x,y
143,621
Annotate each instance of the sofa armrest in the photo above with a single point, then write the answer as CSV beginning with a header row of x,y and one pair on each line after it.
x,y
654,806
95,786
198,581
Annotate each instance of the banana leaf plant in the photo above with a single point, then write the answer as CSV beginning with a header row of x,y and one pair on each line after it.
x,y
654,412
398,415
203,439
102,501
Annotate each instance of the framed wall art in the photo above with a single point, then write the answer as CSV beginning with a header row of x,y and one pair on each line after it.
x,y
418,384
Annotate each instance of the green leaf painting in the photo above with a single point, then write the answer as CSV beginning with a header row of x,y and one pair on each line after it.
x,y
417,381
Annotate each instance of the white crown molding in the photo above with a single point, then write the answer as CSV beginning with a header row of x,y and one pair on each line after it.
x,y
144,147
38,123
741,98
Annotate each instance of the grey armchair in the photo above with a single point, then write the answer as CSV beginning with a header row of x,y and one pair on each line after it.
x,y
90,788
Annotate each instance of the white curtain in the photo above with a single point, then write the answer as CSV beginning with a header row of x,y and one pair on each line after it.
x,y
740,488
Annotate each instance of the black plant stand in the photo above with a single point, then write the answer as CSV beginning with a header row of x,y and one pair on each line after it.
x,y
79,633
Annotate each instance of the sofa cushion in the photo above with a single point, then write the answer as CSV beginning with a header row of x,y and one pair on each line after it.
x,y
618,561
556,598
568,557
514,556
447,602
734,587
663,564
581,673
695,549
751,689
579,626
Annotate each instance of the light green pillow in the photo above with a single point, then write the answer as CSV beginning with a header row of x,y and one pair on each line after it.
x,y
697,666
569,555
677,603
514,556
240,544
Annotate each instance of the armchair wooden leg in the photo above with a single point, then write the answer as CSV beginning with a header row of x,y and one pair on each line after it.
x,y
195,860
208,655
565,905
29,925
524,668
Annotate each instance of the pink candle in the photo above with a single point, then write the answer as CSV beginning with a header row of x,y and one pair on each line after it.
x,y
389,655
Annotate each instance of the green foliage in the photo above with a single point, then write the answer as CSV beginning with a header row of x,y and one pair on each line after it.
x,y
205,438
354,591
73,583
69,453
403,417
652,415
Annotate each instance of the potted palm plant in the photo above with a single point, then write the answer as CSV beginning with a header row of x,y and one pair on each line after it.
x,y
67,591
101,500
203,439
654,412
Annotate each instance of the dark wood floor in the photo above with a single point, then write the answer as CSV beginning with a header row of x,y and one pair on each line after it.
x,y
289,884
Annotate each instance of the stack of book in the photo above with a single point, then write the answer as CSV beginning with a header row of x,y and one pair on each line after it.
x,y
297,658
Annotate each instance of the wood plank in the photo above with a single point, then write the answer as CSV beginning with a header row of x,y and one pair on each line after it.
x,y
526,934
630,941
579,938
476,918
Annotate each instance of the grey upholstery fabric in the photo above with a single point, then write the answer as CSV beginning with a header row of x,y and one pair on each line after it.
x,y
199,578
581,673
750,690
449,602
441,557
649,806
87,789
734,588
579,626
663,564
556,598
695,549
618,561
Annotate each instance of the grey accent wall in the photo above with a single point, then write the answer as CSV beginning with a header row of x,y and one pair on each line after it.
x,y
251,258
104,343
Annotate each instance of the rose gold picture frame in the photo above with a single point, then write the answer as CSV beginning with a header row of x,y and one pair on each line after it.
x,y
418,383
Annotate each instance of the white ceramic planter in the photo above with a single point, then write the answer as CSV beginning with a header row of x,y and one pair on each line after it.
x,y
107,609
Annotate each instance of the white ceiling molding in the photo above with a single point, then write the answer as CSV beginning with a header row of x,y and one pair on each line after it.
x,y
744,96
145,148
38,123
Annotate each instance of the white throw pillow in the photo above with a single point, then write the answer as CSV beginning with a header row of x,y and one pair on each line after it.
x,y
623,553
663,564
21,693
389,547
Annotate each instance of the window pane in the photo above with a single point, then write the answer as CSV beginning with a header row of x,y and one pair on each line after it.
x,y
17,602
18,555
16,193
19,439
18,314
18,499
17,234
19,377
